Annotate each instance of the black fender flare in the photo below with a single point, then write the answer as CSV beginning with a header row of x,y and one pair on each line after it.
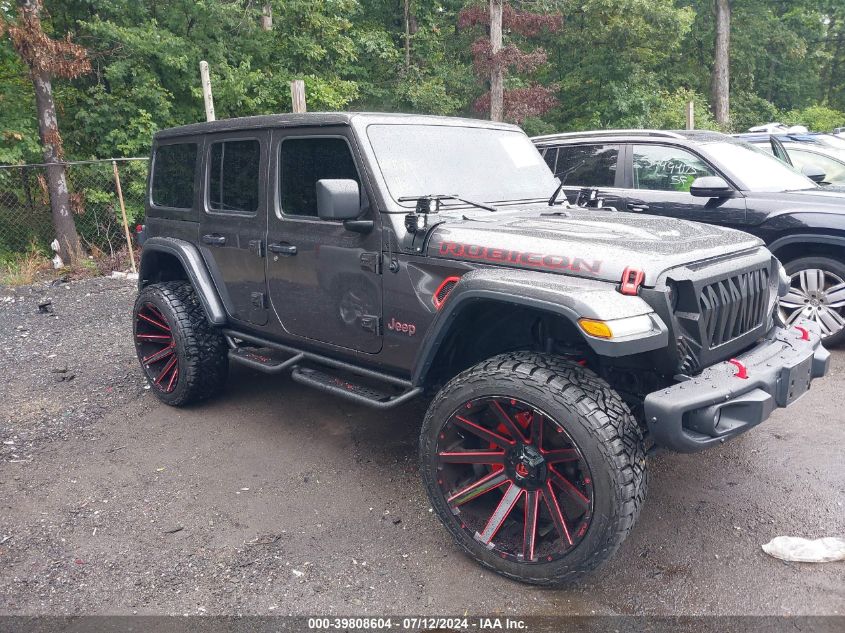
x,y
570,297
807,238
194,266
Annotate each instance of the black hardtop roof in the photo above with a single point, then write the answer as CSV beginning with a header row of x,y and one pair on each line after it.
x,y
699,136
319,119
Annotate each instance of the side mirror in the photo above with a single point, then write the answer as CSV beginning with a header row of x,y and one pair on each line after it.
x,y
814,173
711,187
338,199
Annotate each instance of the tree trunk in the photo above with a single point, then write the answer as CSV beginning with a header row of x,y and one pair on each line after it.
x,y
407,35
51,141
497,74
267,17
835,58
720,84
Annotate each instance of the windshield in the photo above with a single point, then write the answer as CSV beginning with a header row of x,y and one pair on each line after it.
x,y
831,141
477,163
756,169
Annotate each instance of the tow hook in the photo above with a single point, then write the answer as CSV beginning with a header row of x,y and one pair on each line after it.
x,y
741,371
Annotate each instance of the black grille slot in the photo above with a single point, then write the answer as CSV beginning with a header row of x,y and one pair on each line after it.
x,y
734,306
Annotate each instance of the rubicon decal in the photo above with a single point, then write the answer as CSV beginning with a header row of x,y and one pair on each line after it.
x,y
519,258
405,328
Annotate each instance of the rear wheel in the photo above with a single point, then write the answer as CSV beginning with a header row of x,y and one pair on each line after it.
x,y
817,293
183,357
535,465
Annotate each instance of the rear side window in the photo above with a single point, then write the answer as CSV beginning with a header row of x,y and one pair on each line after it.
x,y
173,175
233,176
304,161
587,165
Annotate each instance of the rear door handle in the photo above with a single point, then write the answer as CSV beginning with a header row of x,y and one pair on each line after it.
x,y
637,207
214,239
282,248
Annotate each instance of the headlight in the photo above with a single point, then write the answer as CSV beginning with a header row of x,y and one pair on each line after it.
x,y
619,328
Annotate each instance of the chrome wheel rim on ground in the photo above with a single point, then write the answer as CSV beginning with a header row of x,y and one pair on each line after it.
x,y
514,479
817,295
156,348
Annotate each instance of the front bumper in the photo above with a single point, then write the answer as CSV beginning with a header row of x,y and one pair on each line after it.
x,y
718,404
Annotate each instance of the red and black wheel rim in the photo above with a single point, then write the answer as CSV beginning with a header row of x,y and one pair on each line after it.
x,y
156,348
514,479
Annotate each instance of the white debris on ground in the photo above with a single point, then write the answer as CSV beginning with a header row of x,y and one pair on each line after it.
x,y
124,275
801,550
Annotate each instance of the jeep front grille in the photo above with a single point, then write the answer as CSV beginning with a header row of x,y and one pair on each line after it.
x,y
733,306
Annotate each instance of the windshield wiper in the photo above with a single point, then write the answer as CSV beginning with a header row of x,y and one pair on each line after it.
x,y
426,199
563,177
553,199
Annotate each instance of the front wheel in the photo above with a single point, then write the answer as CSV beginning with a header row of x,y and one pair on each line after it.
x,y
535,465
817,293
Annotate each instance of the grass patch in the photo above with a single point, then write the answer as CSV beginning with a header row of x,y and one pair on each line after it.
x,y
34,265
23,269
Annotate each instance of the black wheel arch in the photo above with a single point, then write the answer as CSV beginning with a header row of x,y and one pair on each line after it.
x,y
792,246
169,259
463,334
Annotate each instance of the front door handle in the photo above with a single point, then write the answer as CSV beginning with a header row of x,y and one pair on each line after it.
x,y
638,207
282,248
214,239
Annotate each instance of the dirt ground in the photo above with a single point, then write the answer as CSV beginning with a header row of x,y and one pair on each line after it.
x,y
274,499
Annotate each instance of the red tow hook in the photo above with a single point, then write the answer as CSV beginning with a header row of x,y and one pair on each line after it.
x,y
805,333
741,371
632,279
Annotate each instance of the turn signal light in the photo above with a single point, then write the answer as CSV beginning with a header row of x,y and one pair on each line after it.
x,y
599,329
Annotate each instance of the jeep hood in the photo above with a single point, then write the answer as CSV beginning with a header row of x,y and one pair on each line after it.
x,y
589,243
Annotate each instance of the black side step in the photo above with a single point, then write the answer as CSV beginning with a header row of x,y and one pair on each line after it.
x,y
263,359
273,358
351,391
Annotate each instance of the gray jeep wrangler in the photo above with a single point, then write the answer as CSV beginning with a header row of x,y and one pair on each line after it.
x,y
382,258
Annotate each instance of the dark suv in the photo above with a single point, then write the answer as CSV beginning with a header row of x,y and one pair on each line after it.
x,y
381,258
711,177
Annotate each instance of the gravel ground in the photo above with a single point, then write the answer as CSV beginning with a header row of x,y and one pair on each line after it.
x,y
275,499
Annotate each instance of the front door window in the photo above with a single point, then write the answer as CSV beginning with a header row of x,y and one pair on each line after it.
x,y
664,168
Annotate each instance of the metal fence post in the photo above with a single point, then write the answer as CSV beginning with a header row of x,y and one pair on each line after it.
x,y
125,221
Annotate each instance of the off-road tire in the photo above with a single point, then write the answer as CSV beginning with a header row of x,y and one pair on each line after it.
x,y
832,267
201,350
599,422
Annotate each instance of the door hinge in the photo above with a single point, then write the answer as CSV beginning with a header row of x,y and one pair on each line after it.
x,y
371,323
258,300
371,262
257,247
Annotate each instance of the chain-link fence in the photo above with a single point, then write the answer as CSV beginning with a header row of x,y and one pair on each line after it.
x,y
25,215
